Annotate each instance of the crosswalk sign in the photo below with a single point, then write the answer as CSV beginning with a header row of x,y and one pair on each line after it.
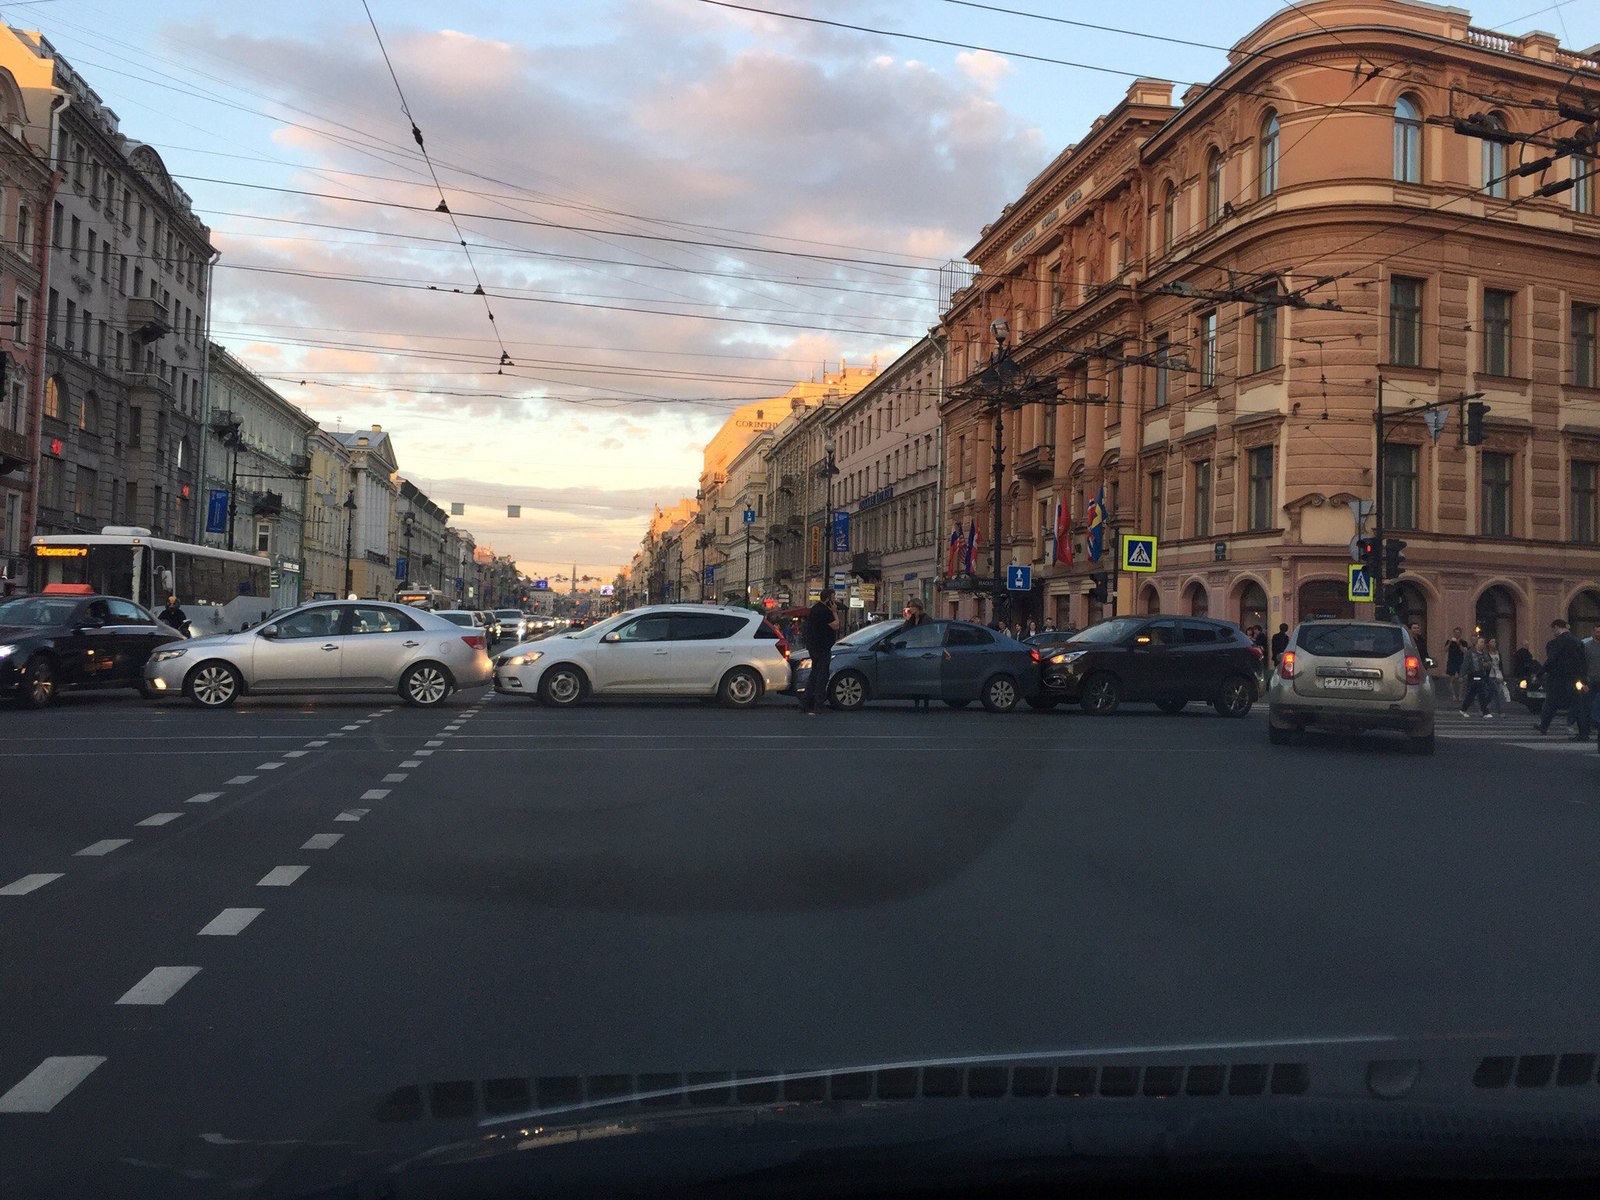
x,y
1360,583
1138,552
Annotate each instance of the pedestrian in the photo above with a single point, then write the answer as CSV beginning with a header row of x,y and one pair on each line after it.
x,y
1258,635
915,616
822,629
1422,643
1004,627
1033,628
1499,692
1591,659
1565,667
1455,650
1475,668
172,615
1049,625
1280,643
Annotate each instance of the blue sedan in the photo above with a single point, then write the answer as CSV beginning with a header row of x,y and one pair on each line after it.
x,y
954,661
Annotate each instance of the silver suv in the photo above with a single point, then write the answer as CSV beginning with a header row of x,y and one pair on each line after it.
x,y
1351,676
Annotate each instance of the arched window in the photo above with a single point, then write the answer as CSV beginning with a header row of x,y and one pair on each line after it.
x,y
1583,614
1269,155
1213,187
1495,183
1169,218
1252,604
1152,600
1197,601
1582,170
1495,616
1407,140
55,399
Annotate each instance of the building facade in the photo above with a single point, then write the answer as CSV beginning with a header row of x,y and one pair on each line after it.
x,y
1216,289
421,543
329,486
375,486
797,491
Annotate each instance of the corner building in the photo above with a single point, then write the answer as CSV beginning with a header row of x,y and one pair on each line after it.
x,y
1139,270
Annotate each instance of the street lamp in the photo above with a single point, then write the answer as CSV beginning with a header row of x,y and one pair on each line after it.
x,y
747,525
1000,361
407,522
349,533
829,470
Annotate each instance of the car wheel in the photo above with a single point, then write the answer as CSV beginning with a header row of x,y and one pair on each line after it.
x,y
1172,707
1101,695
214,685
848,690
1042,703
1236,697
424,685
562,687
958,703
1000,694
741,687
42,689
1421,745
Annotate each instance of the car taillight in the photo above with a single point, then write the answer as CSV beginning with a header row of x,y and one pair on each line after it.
x,y
1033,653
1258,652
1413,669
783,648
475,640
1286,665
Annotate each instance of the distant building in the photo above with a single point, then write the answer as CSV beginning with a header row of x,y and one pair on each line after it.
x,y
330,483
375,487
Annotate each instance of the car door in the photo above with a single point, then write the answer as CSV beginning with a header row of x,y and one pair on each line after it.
x,y
908,661
137,633
969,658
302,652
1203,657
379,642
702,649
95,648
1151,669
635,657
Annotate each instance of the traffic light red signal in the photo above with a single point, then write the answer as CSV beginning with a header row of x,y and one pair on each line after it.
x,y
1368,552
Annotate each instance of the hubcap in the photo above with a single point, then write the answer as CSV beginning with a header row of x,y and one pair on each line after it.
x,y
848,693
44,684
742,688
427,685
1100,696
214,685
564,687
1001,694
1234,699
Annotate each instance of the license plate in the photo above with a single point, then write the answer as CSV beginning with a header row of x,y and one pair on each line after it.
x,y
1349,685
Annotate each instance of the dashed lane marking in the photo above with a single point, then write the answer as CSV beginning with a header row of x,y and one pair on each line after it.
x,y
434,745
29,883
374,793
397,777
159,986
321,841
281,876
48,1084
237,780
412,762
334,734
352,814
421,753
268,766
294,753
316,743
101,848
349,728
230,921
202,797
161,819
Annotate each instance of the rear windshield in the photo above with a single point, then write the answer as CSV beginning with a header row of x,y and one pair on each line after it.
x,y
456,618
1352,641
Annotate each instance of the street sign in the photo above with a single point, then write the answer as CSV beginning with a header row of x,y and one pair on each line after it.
x,y
217,511
857,602
1219,551
401,566
1019,579
1138,552
839,578
1360,584
749,516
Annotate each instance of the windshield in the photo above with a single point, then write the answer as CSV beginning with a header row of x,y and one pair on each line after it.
x,y
601,628
1352,641
1116,630
869,633
457,618
37,610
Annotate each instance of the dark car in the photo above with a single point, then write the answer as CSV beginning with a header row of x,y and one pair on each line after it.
x,y
1167,661
954,661
52,642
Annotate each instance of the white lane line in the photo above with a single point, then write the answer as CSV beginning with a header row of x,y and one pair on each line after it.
x,y
159,986
317,743
350,728
281,876
161,819
48,1084
364,721
412,762
294,753
230,921
28,883
202,797
239,779
421,753
434,745
269,766
103,847
352,814
334,734
321,841
374,793
397,777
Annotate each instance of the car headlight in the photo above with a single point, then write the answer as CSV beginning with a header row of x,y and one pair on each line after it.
x,y
168,655
523,660
1068,656
1523,684
6,651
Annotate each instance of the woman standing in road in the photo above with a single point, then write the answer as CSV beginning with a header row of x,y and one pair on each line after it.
x,y
1455,651
1475,667
1499,693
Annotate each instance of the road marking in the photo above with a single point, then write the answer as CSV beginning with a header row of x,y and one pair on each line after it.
x,y
294,753
239,779
281,876
230,921
434,745
28,883
334,734
268,766
398,777
367,720
412,762
350,728
161,819
421,753
374,793
321,841
159,986
352,814
102,848
317,743
202,797
48,1084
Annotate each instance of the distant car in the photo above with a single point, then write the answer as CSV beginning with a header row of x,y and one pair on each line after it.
x,y
731,654
469,618
52,643
513,624
953,661
1351,676
1050,637
1163,660
329,646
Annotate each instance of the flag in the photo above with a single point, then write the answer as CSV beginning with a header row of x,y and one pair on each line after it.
x,y
1095,522
972,545
1063,553
955,547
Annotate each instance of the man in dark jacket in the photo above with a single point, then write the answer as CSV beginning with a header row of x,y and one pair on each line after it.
x,y
822,630
1280,643
1564,668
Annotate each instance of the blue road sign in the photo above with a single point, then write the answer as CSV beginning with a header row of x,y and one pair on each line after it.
x,y
1019,579
217,511
1360,583
401,566
749,516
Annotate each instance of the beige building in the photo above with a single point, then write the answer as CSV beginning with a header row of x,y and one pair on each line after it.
x,y
1217,287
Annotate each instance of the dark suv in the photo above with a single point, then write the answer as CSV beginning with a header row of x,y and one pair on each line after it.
x,y
1168,661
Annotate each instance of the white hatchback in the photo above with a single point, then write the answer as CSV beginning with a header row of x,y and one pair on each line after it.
x,y
731,654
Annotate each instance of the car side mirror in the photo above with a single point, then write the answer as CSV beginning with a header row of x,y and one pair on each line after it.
x,y
611,637
269,631
1142,642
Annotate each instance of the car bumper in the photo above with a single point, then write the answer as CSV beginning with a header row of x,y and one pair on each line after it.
x,y
167,677
1413,719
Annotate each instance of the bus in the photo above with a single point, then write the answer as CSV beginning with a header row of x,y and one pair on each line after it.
x,y
428,598
220,591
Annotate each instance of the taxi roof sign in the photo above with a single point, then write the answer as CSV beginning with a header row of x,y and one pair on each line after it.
x,y
67,589
1138,552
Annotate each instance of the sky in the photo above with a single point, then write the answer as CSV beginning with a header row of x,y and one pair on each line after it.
x,y
673,207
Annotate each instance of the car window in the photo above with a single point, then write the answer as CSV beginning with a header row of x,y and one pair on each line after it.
x,y
1161,633
313,623
705,627
1352,641
918,637
868,632
457,618
1198,633
969,635
379,620
36,611
1115,630
94,613
126,612
653,627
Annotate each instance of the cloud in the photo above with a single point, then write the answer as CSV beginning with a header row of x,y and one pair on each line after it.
x,y
984,67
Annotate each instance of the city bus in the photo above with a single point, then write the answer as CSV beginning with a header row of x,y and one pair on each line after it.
x,y
423,597
220,591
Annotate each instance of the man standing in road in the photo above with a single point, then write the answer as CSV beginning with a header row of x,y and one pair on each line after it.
x,y
915,616
1564,668
822,629
1280,643
1422,642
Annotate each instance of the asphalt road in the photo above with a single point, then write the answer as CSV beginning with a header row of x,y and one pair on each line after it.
x,y
222,934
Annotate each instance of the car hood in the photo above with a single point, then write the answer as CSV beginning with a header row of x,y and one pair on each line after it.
x,y
19,633
217,640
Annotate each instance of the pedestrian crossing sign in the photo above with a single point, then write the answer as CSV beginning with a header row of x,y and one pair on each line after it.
x,y
1138,552
1360,583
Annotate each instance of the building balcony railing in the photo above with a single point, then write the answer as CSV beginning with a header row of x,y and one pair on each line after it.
x,y
1037,462
13,450
145,386
147,319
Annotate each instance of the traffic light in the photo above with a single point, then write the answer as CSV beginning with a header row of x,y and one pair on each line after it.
x,y
1477,410
1367,555
1098,591
1393,557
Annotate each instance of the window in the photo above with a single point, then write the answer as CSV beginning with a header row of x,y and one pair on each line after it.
x,y
1407,141
380,620
1585,502
89,413
965,635
72,321
1582,184
1400,486
1199,633
1213,187
1494,162
126,612
1269,155
1584,329
263,537
55,225
919,637
52,474
1495,488
1202,498
652,628
54,398
1055,288
1260,498
1405,321
705,627
1169,218
1163,373
77,237
1158,500
313,623
1208,349
87,486
1266,342
135,429
24,305
24,230
1497,331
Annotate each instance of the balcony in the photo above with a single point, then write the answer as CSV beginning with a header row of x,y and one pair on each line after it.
x,y
145,388
147,319
868,564
1037,463
13,451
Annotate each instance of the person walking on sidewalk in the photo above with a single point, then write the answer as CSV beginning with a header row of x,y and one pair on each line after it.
x,y
822,630
1565,666
1475,669
1499,693
1455,650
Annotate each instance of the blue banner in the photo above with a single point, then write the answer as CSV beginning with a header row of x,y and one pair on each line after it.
x,y
401,566
217,511
841,533
711,575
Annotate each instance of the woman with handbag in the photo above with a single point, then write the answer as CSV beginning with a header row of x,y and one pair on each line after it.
x,y
1475,669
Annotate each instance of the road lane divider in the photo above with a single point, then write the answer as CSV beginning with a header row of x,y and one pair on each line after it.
x,y
102,848
321,841
159,819
29,883
230,922
48,1084
159,986
281,876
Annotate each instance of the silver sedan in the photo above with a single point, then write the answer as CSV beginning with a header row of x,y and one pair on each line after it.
x,y
332,646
